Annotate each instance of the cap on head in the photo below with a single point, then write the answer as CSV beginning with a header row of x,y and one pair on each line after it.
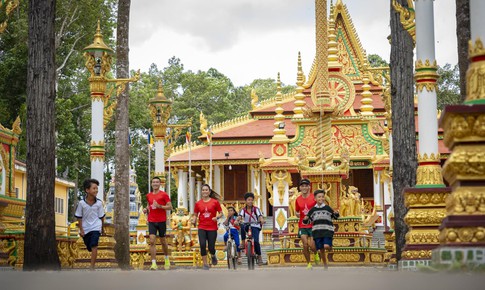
x,y
305,181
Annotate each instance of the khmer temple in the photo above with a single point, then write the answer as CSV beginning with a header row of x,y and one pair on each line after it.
x,y
334,129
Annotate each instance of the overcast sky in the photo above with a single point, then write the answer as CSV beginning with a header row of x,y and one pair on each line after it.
x,y
249,39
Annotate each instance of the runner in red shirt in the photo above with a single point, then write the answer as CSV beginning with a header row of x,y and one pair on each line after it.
x,y
208,210
303,204
158,204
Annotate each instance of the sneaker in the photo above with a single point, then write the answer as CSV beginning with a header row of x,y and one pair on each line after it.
x,y
325,267
167,264
214,260
316,258
260,260
205,267
154,266
309,266
239,261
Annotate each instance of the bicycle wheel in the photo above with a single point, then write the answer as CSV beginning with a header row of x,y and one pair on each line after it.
x,y
249,255
229,253
234,255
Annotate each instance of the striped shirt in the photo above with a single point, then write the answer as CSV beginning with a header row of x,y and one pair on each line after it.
x,y
321,216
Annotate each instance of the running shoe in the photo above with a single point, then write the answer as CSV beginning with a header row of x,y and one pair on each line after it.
x,y
205,267
309,266
214,260
316,258
167,264
154,266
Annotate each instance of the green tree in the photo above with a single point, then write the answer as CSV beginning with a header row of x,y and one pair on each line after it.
x,y
448,89
376,61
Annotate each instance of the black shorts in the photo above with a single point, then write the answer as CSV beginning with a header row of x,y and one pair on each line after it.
x,y
91,239
161,227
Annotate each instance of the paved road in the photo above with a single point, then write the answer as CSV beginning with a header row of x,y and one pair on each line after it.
x,y
264,278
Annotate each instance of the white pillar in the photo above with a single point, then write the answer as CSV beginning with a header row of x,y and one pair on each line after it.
x,y
377,188
477,23
378,196
199,187
264,195
192,192
185,180
159,157
217,179
180,187
97,143
426,78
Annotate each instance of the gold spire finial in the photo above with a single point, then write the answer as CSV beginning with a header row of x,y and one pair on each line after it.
x,y
160,94
98,42
278,86
332,43
279,124
321,95
299,96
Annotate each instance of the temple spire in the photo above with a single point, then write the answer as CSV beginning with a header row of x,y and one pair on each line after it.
x,y
322,96
299,96
279,119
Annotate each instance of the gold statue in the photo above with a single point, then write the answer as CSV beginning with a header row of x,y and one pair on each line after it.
x,y
345,201
181,224
354,201
203,124
254,99
294,194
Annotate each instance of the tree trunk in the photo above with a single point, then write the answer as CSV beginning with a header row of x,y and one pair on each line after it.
x,y
403,127
122,151
463,34
40,250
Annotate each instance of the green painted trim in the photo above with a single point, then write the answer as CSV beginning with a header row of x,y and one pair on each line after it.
x,y
372,141
430,186
12,198
340,34
10,178
240,142
475,102
298,141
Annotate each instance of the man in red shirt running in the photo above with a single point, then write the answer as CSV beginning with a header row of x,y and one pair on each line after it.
x,y
158,204
303,204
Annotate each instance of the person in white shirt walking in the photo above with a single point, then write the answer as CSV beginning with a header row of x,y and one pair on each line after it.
x,y
90,215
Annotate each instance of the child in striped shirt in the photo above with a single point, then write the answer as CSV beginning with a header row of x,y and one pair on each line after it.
x,y
322,230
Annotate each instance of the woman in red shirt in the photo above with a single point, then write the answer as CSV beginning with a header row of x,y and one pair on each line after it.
x,y
208,210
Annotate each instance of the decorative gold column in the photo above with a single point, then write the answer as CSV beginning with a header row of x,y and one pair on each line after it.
x,y
299,96
160,109
366,108
462,234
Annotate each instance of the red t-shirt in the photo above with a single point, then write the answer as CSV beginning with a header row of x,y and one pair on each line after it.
x,y
303,206
157,215
206,211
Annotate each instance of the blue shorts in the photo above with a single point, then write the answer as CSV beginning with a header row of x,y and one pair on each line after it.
x,y
91,239
320,242
235,236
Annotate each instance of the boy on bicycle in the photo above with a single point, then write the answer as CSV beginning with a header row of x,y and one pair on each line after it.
x,y
252,215
233,222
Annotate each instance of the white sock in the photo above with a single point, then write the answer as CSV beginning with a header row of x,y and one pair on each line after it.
x,y
166,257
154,261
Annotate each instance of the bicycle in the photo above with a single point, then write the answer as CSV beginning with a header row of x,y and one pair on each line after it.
x,y
231,250
249,246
